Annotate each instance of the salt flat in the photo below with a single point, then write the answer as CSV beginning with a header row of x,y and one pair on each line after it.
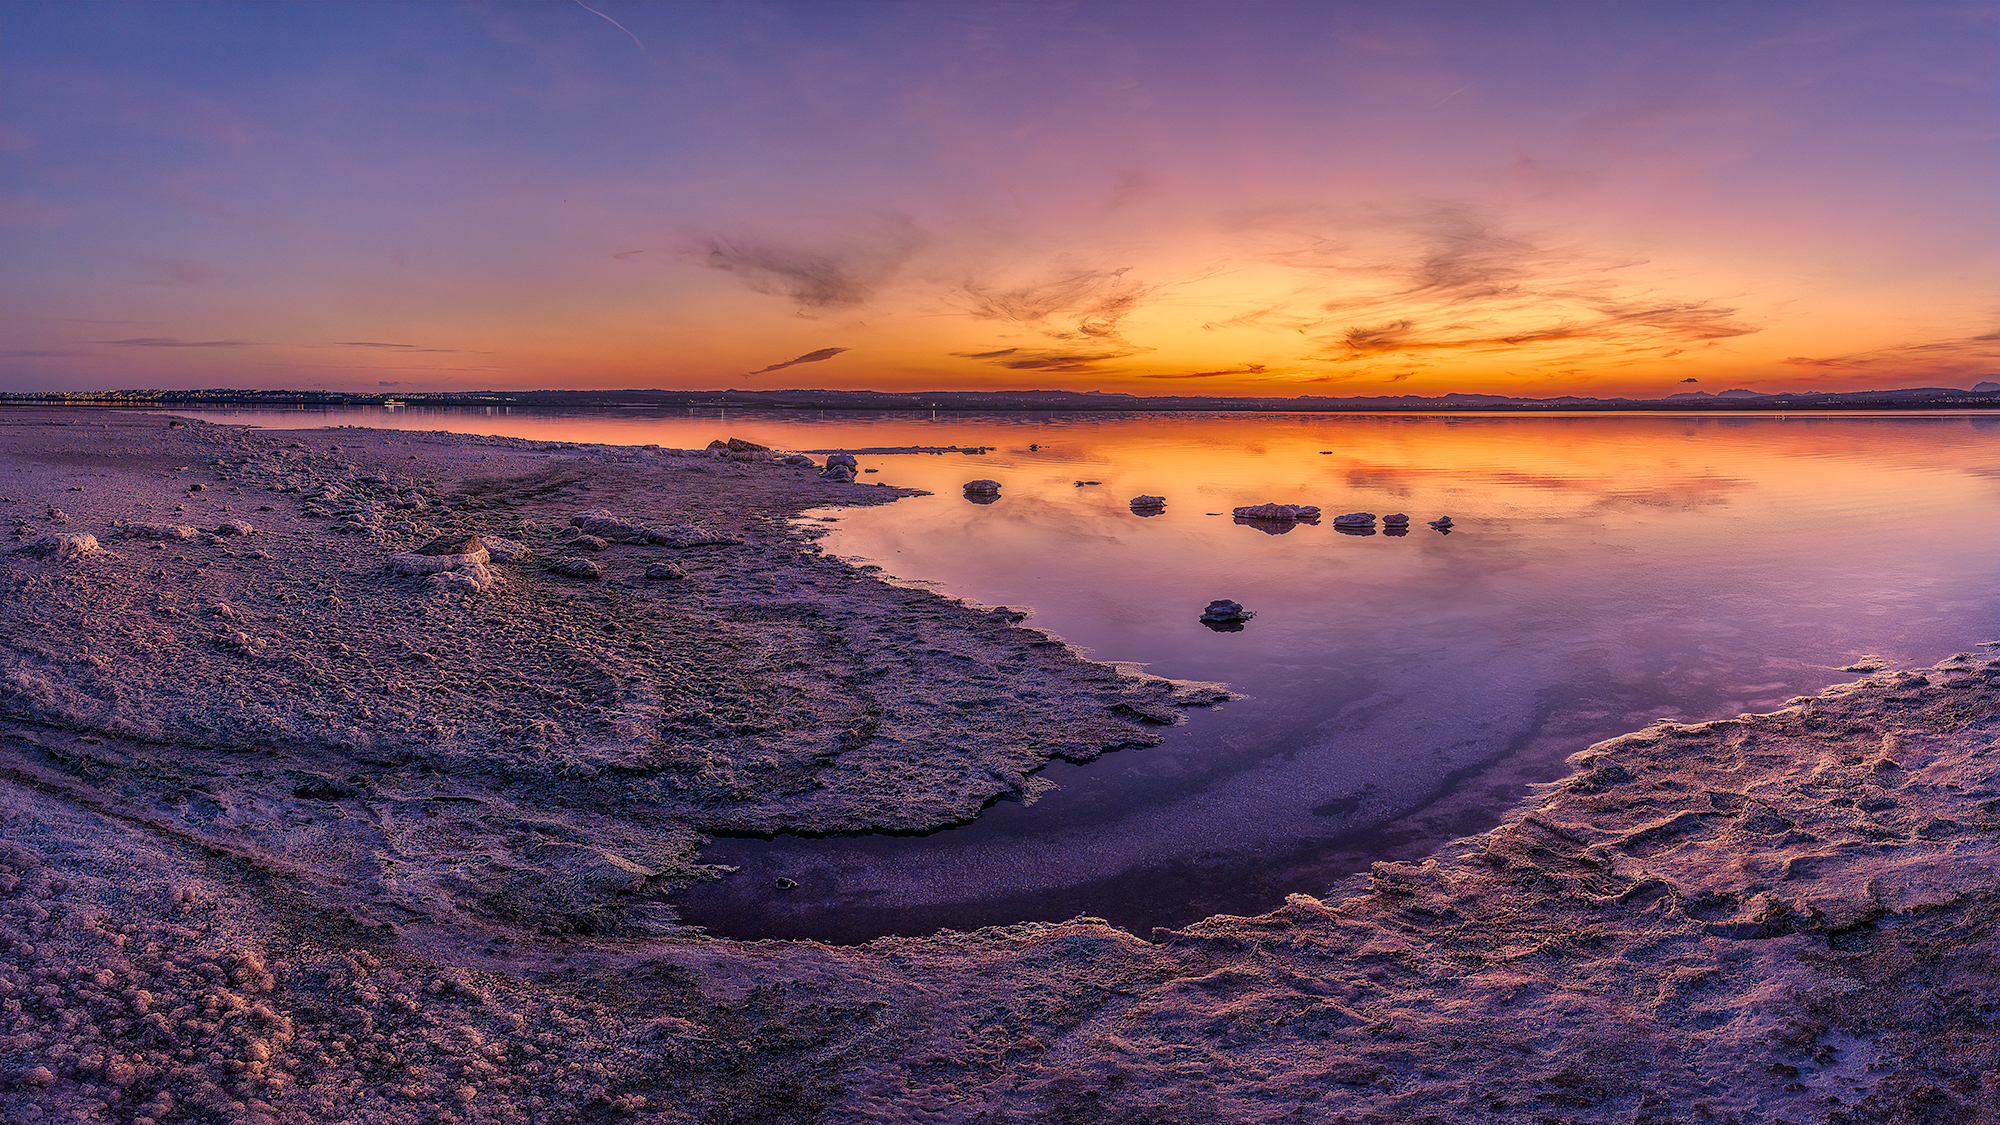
x,y
291,836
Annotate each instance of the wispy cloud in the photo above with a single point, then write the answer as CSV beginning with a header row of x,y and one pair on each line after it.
x,y
809,357
1042,359
1246,369
1464,285
39,355
614,23
1091,303
834,273
172,272
406,348
1962,355
171,342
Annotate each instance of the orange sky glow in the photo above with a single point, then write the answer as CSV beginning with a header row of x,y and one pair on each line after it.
x,y
1274,199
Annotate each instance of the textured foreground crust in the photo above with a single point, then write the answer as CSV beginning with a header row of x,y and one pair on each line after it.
x,y
293,837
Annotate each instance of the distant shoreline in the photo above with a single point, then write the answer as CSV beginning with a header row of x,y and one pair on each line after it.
x,y
1728,402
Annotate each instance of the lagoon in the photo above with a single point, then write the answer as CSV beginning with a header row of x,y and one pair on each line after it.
x,y
1605,572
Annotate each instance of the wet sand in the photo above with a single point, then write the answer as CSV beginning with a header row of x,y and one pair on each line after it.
x,y
293,836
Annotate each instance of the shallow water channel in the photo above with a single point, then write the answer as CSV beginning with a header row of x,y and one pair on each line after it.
x,y
1604,571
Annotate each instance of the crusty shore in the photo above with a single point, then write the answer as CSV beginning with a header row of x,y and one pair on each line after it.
x,y
290,836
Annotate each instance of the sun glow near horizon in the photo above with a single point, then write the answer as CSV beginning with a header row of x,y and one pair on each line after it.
x,y
1520,198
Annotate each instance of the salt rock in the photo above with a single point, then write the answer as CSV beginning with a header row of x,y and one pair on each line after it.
x,y
1397,520
1441,523
473,579
504,550
983,487
156,531
1148,502
572,567
65,546
438,564
453,545
1223,610
665,572
841,468
693,535
588,543
738,445
1303,512
800,460
604,525
235,527
1355,519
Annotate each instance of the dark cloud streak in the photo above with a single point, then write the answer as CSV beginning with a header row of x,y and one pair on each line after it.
x,y
170,342
1033,359
809,357
1247,369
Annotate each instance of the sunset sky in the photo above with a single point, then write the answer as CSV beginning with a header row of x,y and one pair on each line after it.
x,y
1225,198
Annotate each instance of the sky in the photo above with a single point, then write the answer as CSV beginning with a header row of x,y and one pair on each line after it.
x,y
1271,198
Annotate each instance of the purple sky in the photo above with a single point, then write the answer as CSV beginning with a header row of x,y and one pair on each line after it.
x,y
1314,198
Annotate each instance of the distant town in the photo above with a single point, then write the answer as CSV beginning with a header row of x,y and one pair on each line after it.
x,y
1985,394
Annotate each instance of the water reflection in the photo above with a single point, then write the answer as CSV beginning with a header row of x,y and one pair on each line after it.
x,y
1595,573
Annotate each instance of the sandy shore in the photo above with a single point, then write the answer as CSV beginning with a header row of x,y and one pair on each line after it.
x,y
295,832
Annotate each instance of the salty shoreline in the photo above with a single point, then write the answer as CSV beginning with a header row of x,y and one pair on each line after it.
x,y
293,837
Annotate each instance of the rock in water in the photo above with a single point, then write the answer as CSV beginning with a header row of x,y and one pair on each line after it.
x,y
1355,519
1225,616
841,468
1397,520
1442,523
1148,505
1301,513
1223,611
982,488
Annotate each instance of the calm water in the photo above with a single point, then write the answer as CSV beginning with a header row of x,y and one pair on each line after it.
x,y
1606,571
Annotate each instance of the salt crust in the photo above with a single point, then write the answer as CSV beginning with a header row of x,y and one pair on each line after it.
x,y
406,865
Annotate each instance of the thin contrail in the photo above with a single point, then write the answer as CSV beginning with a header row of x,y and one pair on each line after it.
x,y
616,24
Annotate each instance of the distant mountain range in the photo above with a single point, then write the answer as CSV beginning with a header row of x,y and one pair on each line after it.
x,y
1986,394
